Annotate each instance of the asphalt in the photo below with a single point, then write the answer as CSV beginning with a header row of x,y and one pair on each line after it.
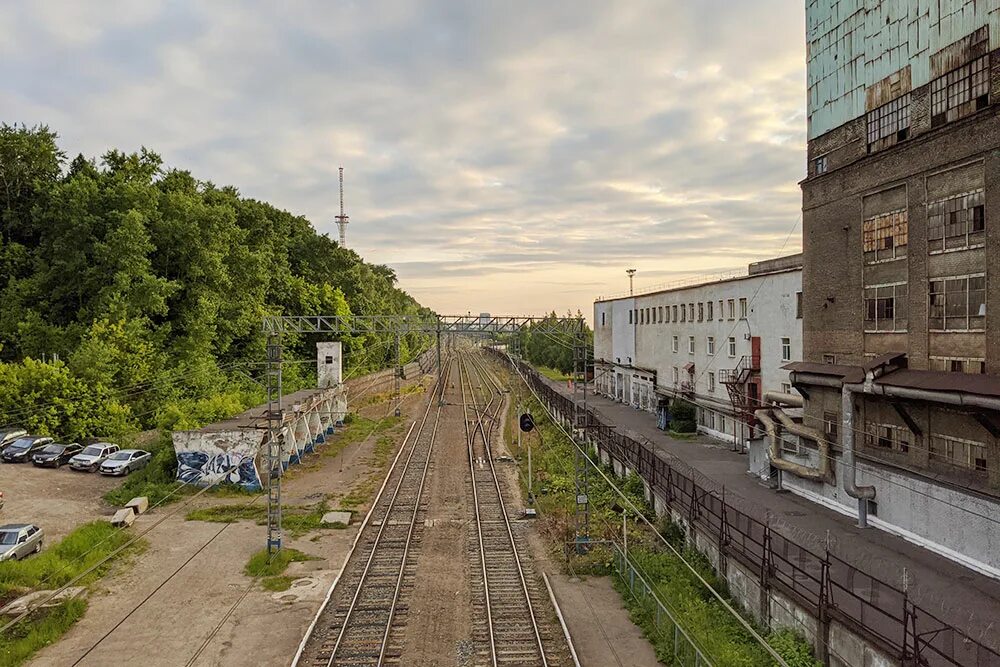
x,y
948,590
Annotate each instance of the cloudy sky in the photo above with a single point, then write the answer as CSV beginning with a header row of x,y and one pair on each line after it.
x,y
512,157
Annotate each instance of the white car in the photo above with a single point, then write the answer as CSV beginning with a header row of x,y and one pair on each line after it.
x,y
91,458
125,461
19,540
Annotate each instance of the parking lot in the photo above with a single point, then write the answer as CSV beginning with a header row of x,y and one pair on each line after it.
x,y
57,500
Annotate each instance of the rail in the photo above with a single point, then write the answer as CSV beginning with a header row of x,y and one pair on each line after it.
x,y
824,584
507,599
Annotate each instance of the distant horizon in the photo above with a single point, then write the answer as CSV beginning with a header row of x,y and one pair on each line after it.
x,y
490,160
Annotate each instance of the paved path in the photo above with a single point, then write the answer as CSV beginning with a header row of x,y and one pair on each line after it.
x,y
599,624
955,594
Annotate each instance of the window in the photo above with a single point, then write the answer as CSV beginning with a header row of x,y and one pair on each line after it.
x,y
709,307
798,305
743,309
830,423
677,377
732,309
673,344
630,316
786,349
820,165
958,452
956,223
660,309
786,388
711,382
602,319
958,365
691,312
667,310
675,314
889,124
732,346
829,359
710,345
684,312
690,344
884,237
650,313
960,92
701,312
721,311
958,304
885,308
887,436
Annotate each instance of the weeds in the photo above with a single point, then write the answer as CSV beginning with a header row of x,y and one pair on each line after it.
x,y
271,570
39,630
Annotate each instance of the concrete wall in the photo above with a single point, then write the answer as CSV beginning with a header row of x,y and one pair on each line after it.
x,y
945,519
228,456
329,366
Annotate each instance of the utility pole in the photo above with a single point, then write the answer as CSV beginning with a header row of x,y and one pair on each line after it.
x,y
342,219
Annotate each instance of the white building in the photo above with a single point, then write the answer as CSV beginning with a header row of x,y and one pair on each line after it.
x,y
719,344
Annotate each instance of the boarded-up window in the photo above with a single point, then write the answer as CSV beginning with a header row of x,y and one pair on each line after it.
x,y
884,237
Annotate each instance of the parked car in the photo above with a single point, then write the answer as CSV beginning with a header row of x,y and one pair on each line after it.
x,y
9,435
55,455
92,456
24,448
125,461
19,540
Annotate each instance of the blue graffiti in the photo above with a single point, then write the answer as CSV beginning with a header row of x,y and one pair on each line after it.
x,y
201,468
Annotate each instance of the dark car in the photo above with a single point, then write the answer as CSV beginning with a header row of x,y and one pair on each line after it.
x,y
55,455
9,435
23,449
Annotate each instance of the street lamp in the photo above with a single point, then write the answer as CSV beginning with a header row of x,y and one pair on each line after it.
x,y
631,273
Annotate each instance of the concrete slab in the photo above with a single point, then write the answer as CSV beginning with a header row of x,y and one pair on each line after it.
x,y
30,600
123,517
337,517
139,504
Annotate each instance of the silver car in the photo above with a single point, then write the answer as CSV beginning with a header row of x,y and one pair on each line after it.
x,y
9,435
125,462
92,456
19,540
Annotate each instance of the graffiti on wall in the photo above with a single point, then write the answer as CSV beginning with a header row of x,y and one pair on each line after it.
x,y
223,457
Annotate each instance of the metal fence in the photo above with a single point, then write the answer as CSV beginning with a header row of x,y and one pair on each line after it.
x,y
685,649
828,587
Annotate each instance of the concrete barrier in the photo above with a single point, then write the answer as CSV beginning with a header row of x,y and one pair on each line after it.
x,y
138,505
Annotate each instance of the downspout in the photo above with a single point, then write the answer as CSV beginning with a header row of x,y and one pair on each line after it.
x,y
862,493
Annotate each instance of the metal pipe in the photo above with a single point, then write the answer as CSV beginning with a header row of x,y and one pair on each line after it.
x,y
862,493
821,474
781,398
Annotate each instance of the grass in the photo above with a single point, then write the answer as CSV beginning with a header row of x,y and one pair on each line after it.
x,y
296,521
156,481
271,571
552,373
56,566
701,614
62,562
38,631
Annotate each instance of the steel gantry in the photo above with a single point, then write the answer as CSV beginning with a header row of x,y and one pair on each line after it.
x,y
569,331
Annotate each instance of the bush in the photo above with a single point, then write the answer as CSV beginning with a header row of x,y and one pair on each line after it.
x,y
683,416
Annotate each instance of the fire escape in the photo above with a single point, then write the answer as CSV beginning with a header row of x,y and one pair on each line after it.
x,y
743,385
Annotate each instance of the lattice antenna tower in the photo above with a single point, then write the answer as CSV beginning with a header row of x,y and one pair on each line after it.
x,y
342,219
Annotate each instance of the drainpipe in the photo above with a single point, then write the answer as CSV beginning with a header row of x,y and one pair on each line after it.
x,y
862,493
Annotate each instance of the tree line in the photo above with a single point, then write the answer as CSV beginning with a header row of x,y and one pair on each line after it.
x,y
133,294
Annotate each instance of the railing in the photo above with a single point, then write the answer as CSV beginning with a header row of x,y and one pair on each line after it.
x,y
685,649
826,585
739,375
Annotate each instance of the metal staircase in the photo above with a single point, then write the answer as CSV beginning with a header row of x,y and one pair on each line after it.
x,y
736,381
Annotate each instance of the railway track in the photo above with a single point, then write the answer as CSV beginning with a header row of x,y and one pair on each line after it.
x,y
362,621
506,594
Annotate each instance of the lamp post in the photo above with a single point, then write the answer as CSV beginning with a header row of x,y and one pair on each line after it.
x,y
631,273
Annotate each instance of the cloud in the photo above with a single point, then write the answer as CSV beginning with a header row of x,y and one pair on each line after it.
x,y
501,156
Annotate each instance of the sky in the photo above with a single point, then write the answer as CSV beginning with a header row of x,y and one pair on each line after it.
x,y
509,157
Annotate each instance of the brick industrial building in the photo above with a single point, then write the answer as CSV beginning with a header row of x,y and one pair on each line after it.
x,y
901,240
